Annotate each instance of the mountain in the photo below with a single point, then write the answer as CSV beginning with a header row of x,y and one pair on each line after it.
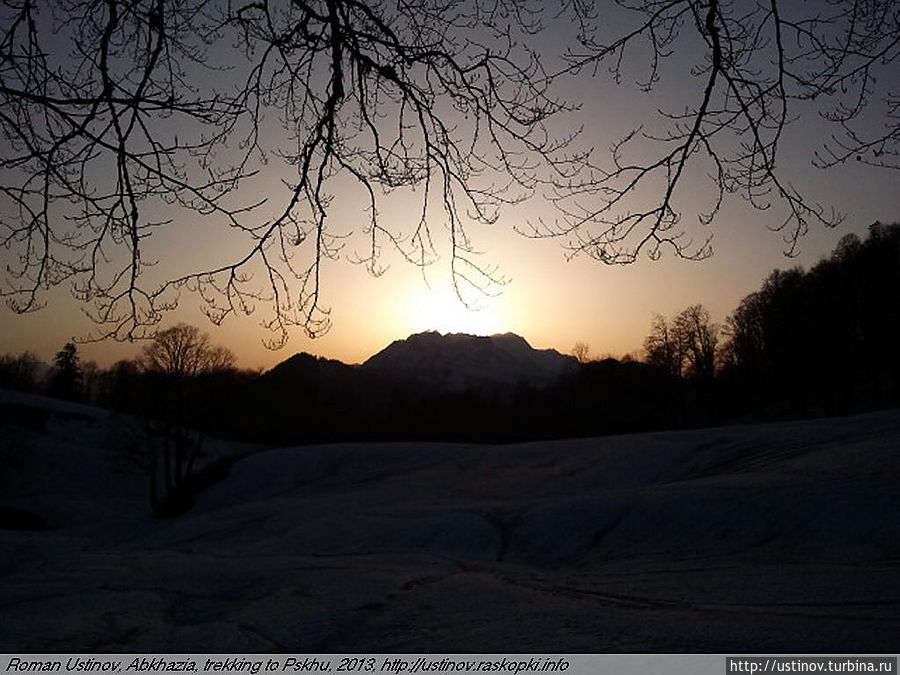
x,y
458,361
315,370
415,389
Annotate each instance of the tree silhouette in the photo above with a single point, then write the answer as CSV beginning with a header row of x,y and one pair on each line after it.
x,y
582,352
66,380
121,119
19,371
173,362
663,348
699,339
686,346
183,352
821,341
745,336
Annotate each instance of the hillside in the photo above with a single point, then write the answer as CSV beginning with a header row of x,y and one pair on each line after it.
x,y
764,538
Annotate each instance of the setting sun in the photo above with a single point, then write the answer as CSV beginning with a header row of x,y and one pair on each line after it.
x,y
440,309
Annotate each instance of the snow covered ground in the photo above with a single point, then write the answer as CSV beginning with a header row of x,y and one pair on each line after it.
x,y
767,538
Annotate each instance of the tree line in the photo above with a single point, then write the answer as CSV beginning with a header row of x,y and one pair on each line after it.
x,y
167,388
807,342
177,354
821,341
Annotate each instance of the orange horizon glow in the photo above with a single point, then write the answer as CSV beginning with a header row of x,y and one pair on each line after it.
x,y
550,301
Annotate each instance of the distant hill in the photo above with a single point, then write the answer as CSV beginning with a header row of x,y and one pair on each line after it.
x,y
313,369
457,362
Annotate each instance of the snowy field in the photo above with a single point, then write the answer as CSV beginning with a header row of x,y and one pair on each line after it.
x,y
768,538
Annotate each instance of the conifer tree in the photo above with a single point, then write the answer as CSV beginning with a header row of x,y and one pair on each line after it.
x,y
67,378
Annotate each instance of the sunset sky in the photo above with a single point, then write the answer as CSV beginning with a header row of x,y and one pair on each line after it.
x,y
549,300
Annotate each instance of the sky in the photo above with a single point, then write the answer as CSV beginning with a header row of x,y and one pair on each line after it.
x,y
551,300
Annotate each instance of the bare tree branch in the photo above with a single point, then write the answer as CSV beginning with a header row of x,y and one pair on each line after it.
x,y
438,96
762,63
125,119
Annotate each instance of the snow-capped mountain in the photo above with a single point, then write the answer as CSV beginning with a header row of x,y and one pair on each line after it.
x,y
458,361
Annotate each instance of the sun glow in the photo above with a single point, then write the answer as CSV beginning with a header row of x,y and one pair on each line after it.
x,y
439,309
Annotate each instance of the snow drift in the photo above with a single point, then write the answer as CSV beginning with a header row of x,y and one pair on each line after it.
x,y
768,538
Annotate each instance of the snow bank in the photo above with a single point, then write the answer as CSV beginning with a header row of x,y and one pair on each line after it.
x,y
780,537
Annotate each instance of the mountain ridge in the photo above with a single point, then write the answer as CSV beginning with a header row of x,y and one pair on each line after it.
x,y
461,361
443,361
